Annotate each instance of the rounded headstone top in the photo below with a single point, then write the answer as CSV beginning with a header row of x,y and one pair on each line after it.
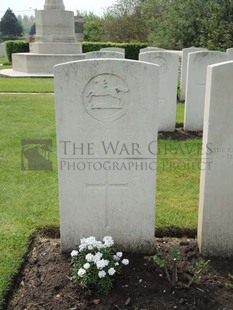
x,y
54,5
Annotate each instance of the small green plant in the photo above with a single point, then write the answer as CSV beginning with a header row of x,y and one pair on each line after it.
x,y
95,265
229,283
168,262
198,269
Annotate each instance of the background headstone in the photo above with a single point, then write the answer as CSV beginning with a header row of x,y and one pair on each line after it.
x,y
169,63
229,51
113,49
98,103
184,64
215,229
195,87
150,49
2,50
104,54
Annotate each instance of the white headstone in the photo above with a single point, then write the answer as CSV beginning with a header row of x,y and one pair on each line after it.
x,y
2,50
230,53
104,54
107,123
195,87
113,49
186,51
169,63
215,225
150,49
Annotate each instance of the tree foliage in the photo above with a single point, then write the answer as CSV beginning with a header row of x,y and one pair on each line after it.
x,y
217,26
93,27
10,26
125,22
26,22
180,24
171,24
32,31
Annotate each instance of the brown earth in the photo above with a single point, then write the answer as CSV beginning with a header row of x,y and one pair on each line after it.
x,y
45,281
179,134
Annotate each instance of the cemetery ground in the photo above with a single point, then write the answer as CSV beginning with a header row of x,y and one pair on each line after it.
x,y
29,202
4,64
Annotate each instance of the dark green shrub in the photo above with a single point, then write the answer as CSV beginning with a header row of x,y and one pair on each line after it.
x,y
131,49
16,46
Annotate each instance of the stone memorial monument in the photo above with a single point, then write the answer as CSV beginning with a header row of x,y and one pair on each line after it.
x,y
55,41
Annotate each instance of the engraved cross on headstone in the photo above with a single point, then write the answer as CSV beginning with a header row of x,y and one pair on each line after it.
x,y
107,186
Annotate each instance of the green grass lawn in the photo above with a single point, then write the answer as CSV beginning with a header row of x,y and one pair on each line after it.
x,y
178,183
180,113
4,64
26,85
29,200
3,60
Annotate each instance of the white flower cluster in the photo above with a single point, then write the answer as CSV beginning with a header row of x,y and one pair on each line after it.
x,y
95,257
91,243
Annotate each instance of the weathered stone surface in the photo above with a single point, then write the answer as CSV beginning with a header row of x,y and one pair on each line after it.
x,y
169,63
113,49
186,51
196,83
104,54
215,229
107,121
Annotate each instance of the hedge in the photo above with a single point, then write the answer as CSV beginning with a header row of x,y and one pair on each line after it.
x,y
131,49
16,46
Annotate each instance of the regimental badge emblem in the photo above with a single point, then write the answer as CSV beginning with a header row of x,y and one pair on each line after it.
x,y
106,97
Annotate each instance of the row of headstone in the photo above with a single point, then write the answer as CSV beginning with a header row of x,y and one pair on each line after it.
x,y
169,63
194,63
193,83
107,122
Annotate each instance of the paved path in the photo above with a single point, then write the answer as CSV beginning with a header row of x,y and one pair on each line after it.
x,y
12,73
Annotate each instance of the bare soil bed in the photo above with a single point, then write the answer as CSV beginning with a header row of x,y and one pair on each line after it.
x,y
45,282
